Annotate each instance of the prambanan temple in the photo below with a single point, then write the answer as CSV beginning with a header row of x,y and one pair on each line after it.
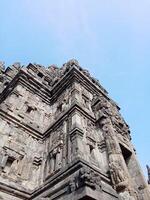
x,y
63,138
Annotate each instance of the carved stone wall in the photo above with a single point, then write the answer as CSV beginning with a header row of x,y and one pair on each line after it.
x,y
28,108
62,137
20,156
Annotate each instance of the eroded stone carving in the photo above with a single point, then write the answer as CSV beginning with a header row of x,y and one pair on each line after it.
x,y
89,178
55,155
3,159
112,124
126,196
119,178
109,135
106,115
90,131
103,108
85,177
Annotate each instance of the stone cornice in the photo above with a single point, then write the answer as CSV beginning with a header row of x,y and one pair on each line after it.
x,y
22,193
39,135
70,169
31,83
49,95
46,92
75,107
74,74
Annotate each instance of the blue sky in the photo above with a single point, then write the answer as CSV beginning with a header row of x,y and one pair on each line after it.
x,y
110,38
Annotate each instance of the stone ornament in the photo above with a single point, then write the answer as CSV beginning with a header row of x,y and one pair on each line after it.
x,y
119,179
85,177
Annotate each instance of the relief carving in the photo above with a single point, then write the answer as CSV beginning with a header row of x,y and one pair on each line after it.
x,y
90,132
126,196
85,177
109,135
86,100
106,116
15,161
105,109
73,184
54,158
3,159
16,167
119,178
62,106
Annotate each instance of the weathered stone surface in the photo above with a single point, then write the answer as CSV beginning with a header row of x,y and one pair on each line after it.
x,y
62,137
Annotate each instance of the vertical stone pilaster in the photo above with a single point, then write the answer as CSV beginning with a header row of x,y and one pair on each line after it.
x,y
76,121
75,93
77,148
52,164
59,158
76,136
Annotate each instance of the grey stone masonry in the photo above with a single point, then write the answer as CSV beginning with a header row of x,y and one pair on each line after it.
x,y
63,138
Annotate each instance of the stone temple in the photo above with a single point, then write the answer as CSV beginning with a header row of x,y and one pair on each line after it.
x,y
62,138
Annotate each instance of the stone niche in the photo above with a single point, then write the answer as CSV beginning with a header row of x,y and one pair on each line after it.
x,y
20,156
28,108
56,151
61,104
